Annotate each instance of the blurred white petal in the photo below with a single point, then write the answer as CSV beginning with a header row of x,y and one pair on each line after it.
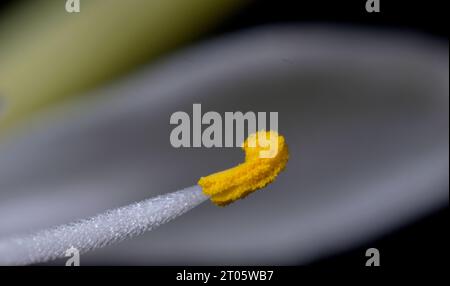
x,y
365,115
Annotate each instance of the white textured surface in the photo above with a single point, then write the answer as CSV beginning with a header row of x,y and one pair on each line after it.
x,y
112,226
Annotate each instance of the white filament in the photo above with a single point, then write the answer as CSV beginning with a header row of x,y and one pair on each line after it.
x,y
101,230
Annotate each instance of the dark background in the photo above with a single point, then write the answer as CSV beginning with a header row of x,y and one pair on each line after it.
x,y
424,242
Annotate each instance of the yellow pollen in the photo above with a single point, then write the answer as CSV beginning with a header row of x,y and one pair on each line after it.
x,y
263,162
